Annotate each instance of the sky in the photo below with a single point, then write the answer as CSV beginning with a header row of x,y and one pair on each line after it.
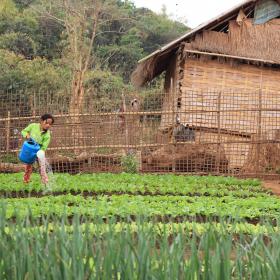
x,y
194,12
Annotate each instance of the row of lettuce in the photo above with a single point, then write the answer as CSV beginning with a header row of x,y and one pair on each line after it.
x,y
127,195
148,206
137,184
182,228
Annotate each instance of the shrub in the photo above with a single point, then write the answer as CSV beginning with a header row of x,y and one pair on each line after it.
x,y
130,163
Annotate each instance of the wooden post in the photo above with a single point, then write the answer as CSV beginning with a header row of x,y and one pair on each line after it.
x,y
259,133
8,132
140,150
219,132
173,119
125,123
34,105
139,159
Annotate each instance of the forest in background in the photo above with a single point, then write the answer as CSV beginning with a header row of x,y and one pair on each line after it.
x,y
78,47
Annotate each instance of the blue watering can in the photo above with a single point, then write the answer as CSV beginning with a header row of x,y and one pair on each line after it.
x,y
28,151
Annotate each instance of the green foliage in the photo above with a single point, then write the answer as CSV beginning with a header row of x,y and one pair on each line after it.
x,y
104,83
120,194
10,74
130,164
184,226
136,250
7,7
43,76
23,4
133,38
18,43
105,89
38,74
50,38
158,30
37,46
143,183
18,31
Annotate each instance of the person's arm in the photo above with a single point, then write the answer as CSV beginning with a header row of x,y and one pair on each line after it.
x,y
26,132
45,142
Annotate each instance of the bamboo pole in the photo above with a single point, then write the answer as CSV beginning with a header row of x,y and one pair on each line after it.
x,y
173,118
259,122
143,113
233,57
8,132
219,131
259,133
125,123
154,145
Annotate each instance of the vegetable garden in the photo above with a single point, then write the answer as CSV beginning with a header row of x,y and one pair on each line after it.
x,y
131,226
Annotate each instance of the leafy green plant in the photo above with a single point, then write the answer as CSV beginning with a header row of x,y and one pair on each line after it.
x,y
130,163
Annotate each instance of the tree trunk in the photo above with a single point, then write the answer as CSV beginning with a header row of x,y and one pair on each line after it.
x,y
76,108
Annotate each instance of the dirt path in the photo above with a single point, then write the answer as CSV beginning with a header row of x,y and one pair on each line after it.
x,y
273,185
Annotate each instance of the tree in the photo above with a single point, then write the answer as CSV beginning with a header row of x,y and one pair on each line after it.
x,y
84,35
19,43
20,74
80,20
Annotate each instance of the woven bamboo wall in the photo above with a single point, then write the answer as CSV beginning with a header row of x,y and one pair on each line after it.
x,y
240,101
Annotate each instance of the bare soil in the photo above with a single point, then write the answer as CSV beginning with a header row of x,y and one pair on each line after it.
x,y
273,185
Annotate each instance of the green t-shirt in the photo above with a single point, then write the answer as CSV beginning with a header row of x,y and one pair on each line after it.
x,y
35,132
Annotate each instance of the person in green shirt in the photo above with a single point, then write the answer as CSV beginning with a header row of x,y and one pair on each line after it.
x,y
41,134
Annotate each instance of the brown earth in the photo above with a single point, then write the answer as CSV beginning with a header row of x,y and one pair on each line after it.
x,y
273,185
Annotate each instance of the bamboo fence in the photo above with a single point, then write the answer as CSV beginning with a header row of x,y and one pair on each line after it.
x,y
217,131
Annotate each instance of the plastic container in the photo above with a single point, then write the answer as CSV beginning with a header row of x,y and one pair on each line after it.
x,y
28,151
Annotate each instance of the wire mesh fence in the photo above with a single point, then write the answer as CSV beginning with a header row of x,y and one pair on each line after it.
x,y
201,132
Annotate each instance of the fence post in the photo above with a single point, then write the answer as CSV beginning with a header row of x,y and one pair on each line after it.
x,y
173,118
259,133
8,131
219,132
125,123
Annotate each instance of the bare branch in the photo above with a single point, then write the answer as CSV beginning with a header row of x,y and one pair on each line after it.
x,y
109,20
117,32
96,17
45,13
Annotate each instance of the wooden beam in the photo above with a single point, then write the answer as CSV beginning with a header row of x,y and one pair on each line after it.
x,y
233,57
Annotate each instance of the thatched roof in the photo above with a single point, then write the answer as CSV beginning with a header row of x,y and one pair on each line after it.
x,y
154,64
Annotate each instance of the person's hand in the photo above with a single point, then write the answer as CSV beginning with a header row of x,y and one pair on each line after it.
x,y
27,136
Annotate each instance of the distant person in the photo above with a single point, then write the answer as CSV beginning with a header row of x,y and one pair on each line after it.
x,y
40,133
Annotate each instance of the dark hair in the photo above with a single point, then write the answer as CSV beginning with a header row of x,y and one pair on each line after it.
x,y
47,116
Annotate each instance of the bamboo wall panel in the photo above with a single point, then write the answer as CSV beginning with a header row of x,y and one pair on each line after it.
x,y
240,85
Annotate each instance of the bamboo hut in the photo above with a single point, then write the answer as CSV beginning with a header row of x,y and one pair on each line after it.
x,y
222,81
